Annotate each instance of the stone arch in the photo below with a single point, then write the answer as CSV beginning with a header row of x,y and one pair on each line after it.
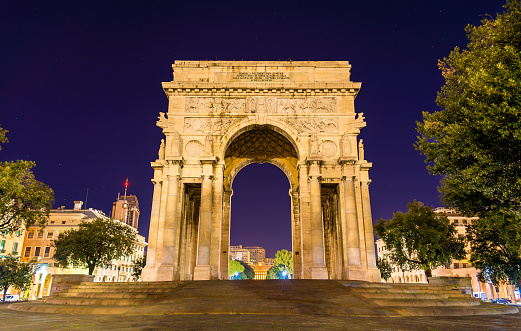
x,y
247,125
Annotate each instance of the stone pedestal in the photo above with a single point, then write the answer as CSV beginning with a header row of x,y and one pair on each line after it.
x,y
319,272
202,272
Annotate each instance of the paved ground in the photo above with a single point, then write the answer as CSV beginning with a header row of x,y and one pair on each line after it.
x,y
14,320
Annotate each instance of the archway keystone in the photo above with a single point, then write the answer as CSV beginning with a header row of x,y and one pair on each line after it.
x,y
225,115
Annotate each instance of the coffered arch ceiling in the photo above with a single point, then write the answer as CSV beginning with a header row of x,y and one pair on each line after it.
x,y
261,145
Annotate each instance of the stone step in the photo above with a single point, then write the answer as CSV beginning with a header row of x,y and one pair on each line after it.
x,y
427,302
116,290
482,309
96,302
404,290
412,296
111,295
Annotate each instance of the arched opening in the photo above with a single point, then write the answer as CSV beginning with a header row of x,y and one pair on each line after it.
x,y
260,216
260,170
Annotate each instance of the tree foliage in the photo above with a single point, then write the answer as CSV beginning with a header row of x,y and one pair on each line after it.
x,y
248,271
285,258
474,142
23,199
15,273
385,267
420,238
94,243
138,266
235,267
496,248
283,263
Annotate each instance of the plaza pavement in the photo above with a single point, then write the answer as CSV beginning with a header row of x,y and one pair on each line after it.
x,y
16,320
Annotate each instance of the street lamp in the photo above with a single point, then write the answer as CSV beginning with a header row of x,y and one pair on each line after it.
x,y
236,275
284,274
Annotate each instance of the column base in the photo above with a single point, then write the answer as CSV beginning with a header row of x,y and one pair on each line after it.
x,y
166,273
202,272
356,272
373,275
149,274
319,272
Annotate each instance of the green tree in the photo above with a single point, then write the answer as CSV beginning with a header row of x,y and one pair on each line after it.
x,y
23,199
385,267
15,273
275,272
285,258
474,141
496,248
138,266
235,267
248,271
420,238
94,243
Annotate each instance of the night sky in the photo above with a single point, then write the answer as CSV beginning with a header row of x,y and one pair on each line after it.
x,y
80,89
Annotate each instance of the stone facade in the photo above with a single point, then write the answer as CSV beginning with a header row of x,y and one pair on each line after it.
x,y
225,115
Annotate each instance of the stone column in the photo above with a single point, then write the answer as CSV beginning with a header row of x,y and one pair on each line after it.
x,y
167,269
150,272
202,268
353,241
368,225
225,233
318,267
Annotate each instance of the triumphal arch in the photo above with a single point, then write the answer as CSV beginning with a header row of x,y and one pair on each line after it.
x,y
224,115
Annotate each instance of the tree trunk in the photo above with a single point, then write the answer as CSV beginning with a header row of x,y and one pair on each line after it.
x,y
428,272
91,269
5,292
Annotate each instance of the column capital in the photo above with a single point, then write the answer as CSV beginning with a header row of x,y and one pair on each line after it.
x,y
347,160
175,160
173,177
156,181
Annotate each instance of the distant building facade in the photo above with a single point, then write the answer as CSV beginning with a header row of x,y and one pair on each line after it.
x,y
257,254
37,248
239,253
261,270
126,210
457,268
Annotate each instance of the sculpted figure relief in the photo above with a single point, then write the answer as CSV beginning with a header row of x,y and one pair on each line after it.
x,y
198,125
310,125
361,150
176,144
161,152
215,105
208,142
346,145
314,144
162,121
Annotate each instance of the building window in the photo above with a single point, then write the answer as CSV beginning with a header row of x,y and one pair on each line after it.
x,y
2,245
63,222
30,235
464,265
464,222
15,248
456,265
52,222
27,251
50,235
39,235
47,251
37,251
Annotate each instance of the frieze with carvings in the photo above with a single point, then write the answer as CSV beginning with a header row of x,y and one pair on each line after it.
x,y
204,125
272,105
313,125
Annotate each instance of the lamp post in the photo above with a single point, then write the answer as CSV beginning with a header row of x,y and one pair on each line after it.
x,y
235,275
